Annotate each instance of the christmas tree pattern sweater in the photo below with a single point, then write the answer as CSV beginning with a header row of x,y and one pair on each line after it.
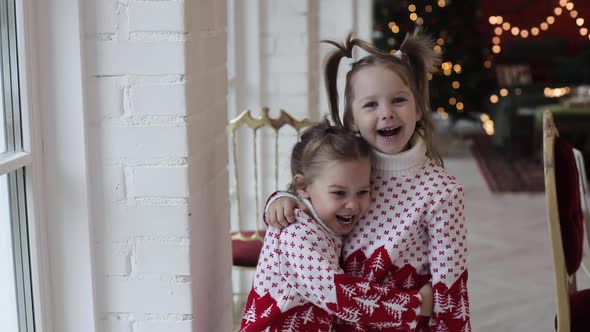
x,y
413,232
299,286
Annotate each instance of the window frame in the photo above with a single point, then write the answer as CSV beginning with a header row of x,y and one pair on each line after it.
x,y
14,163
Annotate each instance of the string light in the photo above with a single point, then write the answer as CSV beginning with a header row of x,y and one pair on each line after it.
x,y
556,92
487,124
503,25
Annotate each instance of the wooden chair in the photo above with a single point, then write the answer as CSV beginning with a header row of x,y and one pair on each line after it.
x,y
254,162
566,227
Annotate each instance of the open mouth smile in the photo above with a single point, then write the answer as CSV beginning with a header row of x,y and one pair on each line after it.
x,y
389,132
345,219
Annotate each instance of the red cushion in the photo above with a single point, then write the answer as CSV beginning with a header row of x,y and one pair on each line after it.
x,y
568,200
245,252
580,311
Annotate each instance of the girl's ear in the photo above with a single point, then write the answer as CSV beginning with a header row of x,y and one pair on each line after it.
x,y
300,185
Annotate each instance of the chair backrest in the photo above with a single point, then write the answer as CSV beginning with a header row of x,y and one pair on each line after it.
x,y
250,157
562,191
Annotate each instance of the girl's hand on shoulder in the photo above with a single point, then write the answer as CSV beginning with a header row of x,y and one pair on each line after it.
x,y
281,213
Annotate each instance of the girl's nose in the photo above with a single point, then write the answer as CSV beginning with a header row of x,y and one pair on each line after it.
x,y
386,112
352,205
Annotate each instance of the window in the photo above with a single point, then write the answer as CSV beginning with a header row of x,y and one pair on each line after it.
x,y
16,306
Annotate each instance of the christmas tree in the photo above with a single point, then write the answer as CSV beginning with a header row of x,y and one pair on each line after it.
x,y
459,85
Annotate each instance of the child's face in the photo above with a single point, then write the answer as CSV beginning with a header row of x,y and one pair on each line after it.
x,y
340,194
384,109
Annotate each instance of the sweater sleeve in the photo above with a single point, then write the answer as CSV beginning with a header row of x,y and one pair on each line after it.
x,y
309,262
448,256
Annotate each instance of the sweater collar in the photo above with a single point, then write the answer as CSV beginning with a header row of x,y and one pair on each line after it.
x,y
317,218
405,161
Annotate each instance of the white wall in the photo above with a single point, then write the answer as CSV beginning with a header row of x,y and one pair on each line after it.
x,y
135,155
156,119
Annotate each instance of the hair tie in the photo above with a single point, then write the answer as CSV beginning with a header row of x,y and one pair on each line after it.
x,y
398,54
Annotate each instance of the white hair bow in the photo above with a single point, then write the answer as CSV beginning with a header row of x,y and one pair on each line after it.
x,y
344,67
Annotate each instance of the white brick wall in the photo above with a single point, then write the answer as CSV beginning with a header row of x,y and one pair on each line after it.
x,y
156,115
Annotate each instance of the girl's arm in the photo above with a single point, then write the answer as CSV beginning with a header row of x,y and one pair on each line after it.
x,y
310,264
448,256
279,209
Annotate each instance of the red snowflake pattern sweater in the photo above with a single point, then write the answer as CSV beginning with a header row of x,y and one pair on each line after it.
x,y
413,232
299,286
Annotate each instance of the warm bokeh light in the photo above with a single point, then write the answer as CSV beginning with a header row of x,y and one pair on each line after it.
x,y
506,26
446,65
550,19
574,13
488,63
499,19
496,49
456,85
524,33
395,29
412,8
498,31
484,117
534,31
515,31
488,126
391,24
493,99
413,16
452,101
558,11
440,41
562,3
544,26
420,21
442,3
580,21
492,20
447,72
569,6
440,110
457,68
503,92
496,40
556,92
583,31
460,106
437,49
429,76
428,8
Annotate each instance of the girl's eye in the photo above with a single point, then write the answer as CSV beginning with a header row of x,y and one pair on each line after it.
x,y
339,193
398,100
363,193
370,104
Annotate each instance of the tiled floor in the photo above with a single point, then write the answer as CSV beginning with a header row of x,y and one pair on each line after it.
x,y
510,268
